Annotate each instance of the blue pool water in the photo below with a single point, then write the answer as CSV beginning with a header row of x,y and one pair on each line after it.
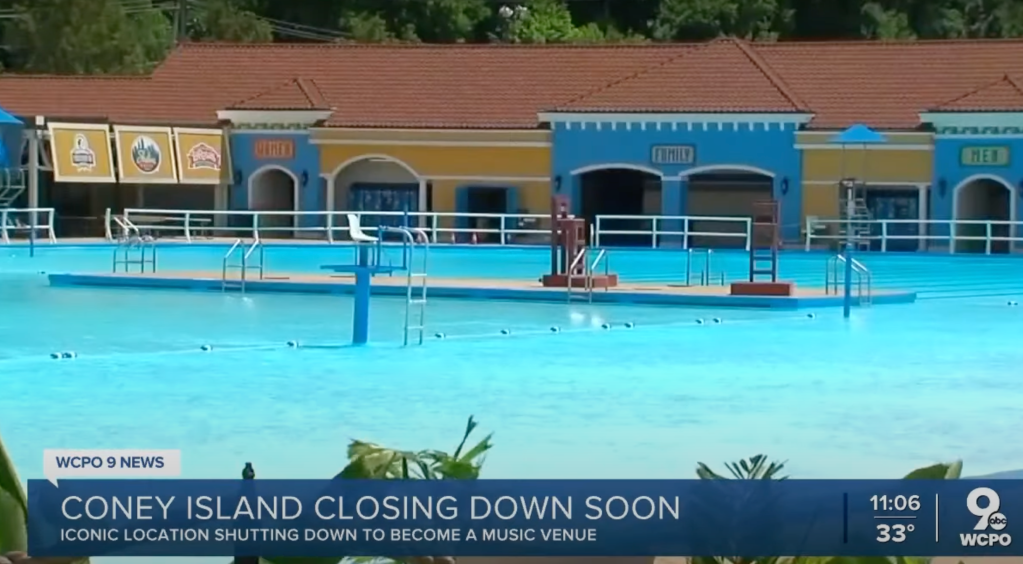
x,y
893,388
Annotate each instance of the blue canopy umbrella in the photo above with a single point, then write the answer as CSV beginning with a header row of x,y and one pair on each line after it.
x,y
859,134
10,133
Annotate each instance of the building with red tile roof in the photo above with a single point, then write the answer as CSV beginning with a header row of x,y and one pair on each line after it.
x,y
705,129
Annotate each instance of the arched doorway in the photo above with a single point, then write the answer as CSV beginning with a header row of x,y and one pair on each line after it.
x,y
377,183
983,198
620,189
724,191
274,188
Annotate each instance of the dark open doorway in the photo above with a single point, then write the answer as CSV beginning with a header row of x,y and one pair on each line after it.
x,y
724,194
487,199
983,199
620,192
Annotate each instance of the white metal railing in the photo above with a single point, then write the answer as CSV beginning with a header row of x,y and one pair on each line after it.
x,y
927,230
834,276
441,227
680,226
27,221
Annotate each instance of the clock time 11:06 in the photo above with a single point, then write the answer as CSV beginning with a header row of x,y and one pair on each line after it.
x,y
896,503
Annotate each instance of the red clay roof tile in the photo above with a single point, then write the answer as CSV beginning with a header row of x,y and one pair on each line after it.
x,y
883,84
887,84
295,94
1004,94
720,76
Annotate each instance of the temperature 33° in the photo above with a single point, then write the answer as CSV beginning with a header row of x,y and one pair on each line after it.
x,y
893,533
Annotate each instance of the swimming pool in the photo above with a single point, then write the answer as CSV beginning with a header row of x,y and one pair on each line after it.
x,y
893,388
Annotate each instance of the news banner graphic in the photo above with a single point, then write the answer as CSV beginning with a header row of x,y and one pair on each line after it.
x,y
522,517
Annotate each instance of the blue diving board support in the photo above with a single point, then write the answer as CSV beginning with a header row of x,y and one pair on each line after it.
x,y
367,265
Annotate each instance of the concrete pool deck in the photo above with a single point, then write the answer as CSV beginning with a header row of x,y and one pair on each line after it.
x,y
468,288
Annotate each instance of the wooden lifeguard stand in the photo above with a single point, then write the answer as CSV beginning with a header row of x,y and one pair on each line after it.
x,y
765,239
569,246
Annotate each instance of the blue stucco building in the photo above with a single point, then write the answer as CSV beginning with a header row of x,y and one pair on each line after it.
x,y
746,156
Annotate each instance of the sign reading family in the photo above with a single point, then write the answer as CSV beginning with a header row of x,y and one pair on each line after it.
x,y
673,154
984,156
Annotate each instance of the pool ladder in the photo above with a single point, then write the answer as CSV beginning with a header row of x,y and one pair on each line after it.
x,y
706,274
245,263
834,277
416,259
589,267
133,249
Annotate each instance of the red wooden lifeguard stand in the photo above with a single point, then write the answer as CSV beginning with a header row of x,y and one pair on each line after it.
x,y
568,251
765,241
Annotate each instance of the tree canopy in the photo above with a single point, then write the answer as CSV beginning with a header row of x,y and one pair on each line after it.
x,y
131,36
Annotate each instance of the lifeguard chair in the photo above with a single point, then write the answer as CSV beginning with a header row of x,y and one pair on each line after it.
x,y
569,244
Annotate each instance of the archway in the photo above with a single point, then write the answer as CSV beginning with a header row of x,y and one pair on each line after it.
x,y
377,183
724,191
983,198
274,188
620,189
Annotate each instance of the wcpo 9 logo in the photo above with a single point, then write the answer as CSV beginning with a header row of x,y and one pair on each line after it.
x,y
984,503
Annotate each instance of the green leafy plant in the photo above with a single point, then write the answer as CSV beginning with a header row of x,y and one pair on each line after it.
x,y
759,468
13,507
370,461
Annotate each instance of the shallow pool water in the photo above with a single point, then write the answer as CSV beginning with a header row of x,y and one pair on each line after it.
x,y
893,386
890,389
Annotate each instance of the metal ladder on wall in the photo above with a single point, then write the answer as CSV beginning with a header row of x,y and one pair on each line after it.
x,y
416,245
245,263
834,278
133,248
589,267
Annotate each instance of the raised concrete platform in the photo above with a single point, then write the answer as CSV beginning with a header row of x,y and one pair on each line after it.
x,y
472,288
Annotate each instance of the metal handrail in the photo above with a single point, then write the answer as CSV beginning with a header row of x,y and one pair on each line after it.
x,y
580,259
864,279
410,237
705,273
244,265
602,256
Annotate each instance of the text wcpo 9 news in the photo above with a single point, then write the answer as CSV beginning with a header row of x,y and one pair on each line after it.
x,y
173,517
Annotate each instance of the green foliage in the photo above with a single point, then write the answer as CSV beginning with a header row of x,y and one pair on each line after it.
x,y
758,468
13,506
370,461
755,467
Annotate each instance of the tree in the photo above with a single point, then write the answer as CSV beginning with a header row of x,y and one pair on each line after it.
x,y
87,37
224,20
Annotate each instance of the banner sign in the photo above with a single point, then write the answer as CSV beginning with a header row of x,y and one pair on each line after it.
x,y
523,518
81,152
145,155
200,155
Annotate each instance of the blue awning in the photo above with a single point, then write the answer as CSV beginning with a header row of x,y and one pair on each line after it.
x,y
858,134
7,119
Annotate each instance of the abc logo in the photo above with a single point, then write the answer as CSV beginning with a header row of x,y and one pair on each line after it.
x,y
997,521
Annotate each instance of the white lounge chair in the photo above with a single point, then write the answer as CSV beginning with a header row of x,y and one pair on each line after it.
x,y
356,232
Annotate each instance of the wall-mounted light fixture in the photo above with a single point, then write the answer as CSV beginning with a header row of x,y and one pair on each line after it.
x,y
305,178
942,187
557,184
1020,191
237,176
785,186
